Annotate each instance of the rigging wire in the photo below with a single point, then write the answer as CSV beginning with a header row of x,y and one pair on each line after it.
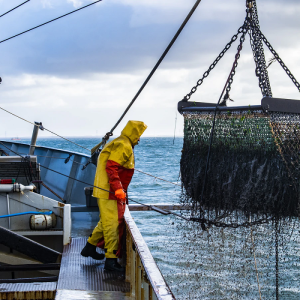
x,y
152,207
106,137
76,145
49,21
165,212
157,177
72,160
45,129
14,8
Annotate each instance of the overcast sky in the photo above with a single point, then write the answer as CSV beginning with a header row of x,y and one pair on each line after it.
x,y
79,73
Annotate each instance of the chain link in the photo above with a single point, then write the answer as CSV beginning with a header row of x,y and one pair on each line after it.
x,y
251,25
211,67
258,52
237,56
285,68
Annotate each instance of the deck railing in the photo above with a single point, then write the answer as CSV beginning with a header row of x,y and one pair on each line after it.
x,y
146,280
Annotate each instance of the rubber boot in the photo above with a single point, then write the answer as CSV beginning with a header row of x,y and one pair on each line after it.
x,y
90,250
111,264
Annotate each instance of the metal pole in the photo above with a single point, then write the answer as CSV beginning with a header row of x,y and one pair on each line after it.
x,y
37,126
8,209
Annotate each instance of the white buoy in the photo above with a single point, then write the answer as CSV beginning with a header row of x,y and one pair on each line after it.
x,y
41,222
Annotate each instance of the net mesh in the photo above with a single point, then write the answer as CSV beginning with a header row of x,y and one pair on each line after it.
x,y
240,264
250,207
253,168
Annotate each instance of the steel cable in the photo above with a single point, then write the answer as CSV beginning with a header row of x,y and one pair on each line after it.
x,y
48,22
14,8
110,133
94,186
165,212
44,129
76,145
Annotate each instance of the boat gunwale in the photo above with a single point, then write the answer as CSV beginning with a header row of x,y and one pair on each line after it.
x,y
158,283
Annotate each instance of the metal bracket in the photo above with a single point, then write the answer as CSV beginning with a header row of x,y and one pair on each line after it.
x,y
280,105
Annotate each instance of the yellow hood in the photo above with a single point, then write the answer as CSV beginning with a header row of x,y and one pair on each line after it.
x,y
133,130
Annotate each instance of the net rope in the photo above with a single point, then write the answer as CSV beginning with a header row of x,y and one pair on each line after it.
x,y
253,166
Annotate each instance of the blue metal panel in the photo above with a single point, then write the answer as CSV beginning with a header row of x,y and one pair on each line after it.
x,y
70,190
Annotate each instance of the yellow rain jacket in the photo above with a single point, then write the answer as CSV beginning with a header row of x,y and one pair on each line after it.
x,y
115,169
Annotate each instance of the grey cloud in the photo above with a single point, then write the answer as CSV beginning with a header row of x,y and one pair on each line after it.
x,y
102,40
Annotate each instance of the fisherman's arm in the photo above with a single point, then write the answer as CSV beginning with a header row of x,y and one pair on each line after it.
x,y
118,157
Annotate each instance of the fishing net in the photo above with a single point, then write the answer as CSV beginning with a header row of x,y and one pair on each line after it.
x,y
242,189
238,264
253,166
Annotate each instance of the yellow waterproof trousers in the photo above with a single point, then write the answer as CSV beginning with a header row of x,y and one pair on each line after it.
x,y
109,230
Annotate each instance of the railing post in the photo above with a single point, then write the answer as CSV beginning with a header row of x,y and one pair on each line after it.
x,y
37,126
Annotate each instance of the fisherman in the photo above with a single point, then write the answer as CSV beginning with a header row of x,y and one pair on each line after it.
x,y
115,169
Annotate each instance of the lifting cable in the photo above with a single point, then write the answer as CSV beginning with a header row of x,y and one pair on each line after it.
x,y
73,11
250,25
14,8
110,133
164,212
104,140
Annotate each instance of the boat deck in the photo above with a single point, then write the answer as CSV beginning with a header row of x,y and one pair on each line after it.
x,y
85,278
79,278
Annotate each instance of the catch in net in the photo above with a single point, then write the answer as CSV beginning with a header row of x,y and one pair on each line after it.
x,y
242,161
240,169
251,164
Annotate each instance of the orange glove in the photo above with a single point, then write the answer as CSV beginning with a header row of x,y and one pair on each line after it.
x,y
120,194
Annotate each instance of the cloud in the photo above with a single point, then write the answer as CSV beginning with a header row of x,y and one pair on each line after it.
x,y
76,3
128,36
85,68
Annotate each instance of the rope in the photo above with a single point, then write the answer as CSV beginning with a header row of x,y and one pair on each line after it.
x,y
276,259
49,21
84,165
158,177
14,8
106,137
18,116
76,145
45,129
66,139
47,187
147,205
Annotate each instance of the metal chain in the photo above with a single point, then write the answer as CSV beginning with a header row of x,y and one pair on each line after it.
x,y
230,81
285,68
205,74
258,52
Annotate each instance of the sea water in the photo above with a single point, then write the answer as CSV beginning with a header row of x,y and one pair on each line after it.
x,y
195,264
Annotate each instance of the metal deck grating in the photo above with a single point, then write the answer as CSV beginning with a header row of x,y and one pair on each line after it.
x,y
79,273
90,295
35,290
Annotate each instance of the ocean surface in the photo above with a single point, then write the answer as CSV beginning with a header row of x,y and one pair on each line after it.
x,y
217,264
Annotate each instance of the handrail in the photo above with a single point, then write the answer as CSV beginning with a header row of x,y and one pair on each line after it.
x,y
146,280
